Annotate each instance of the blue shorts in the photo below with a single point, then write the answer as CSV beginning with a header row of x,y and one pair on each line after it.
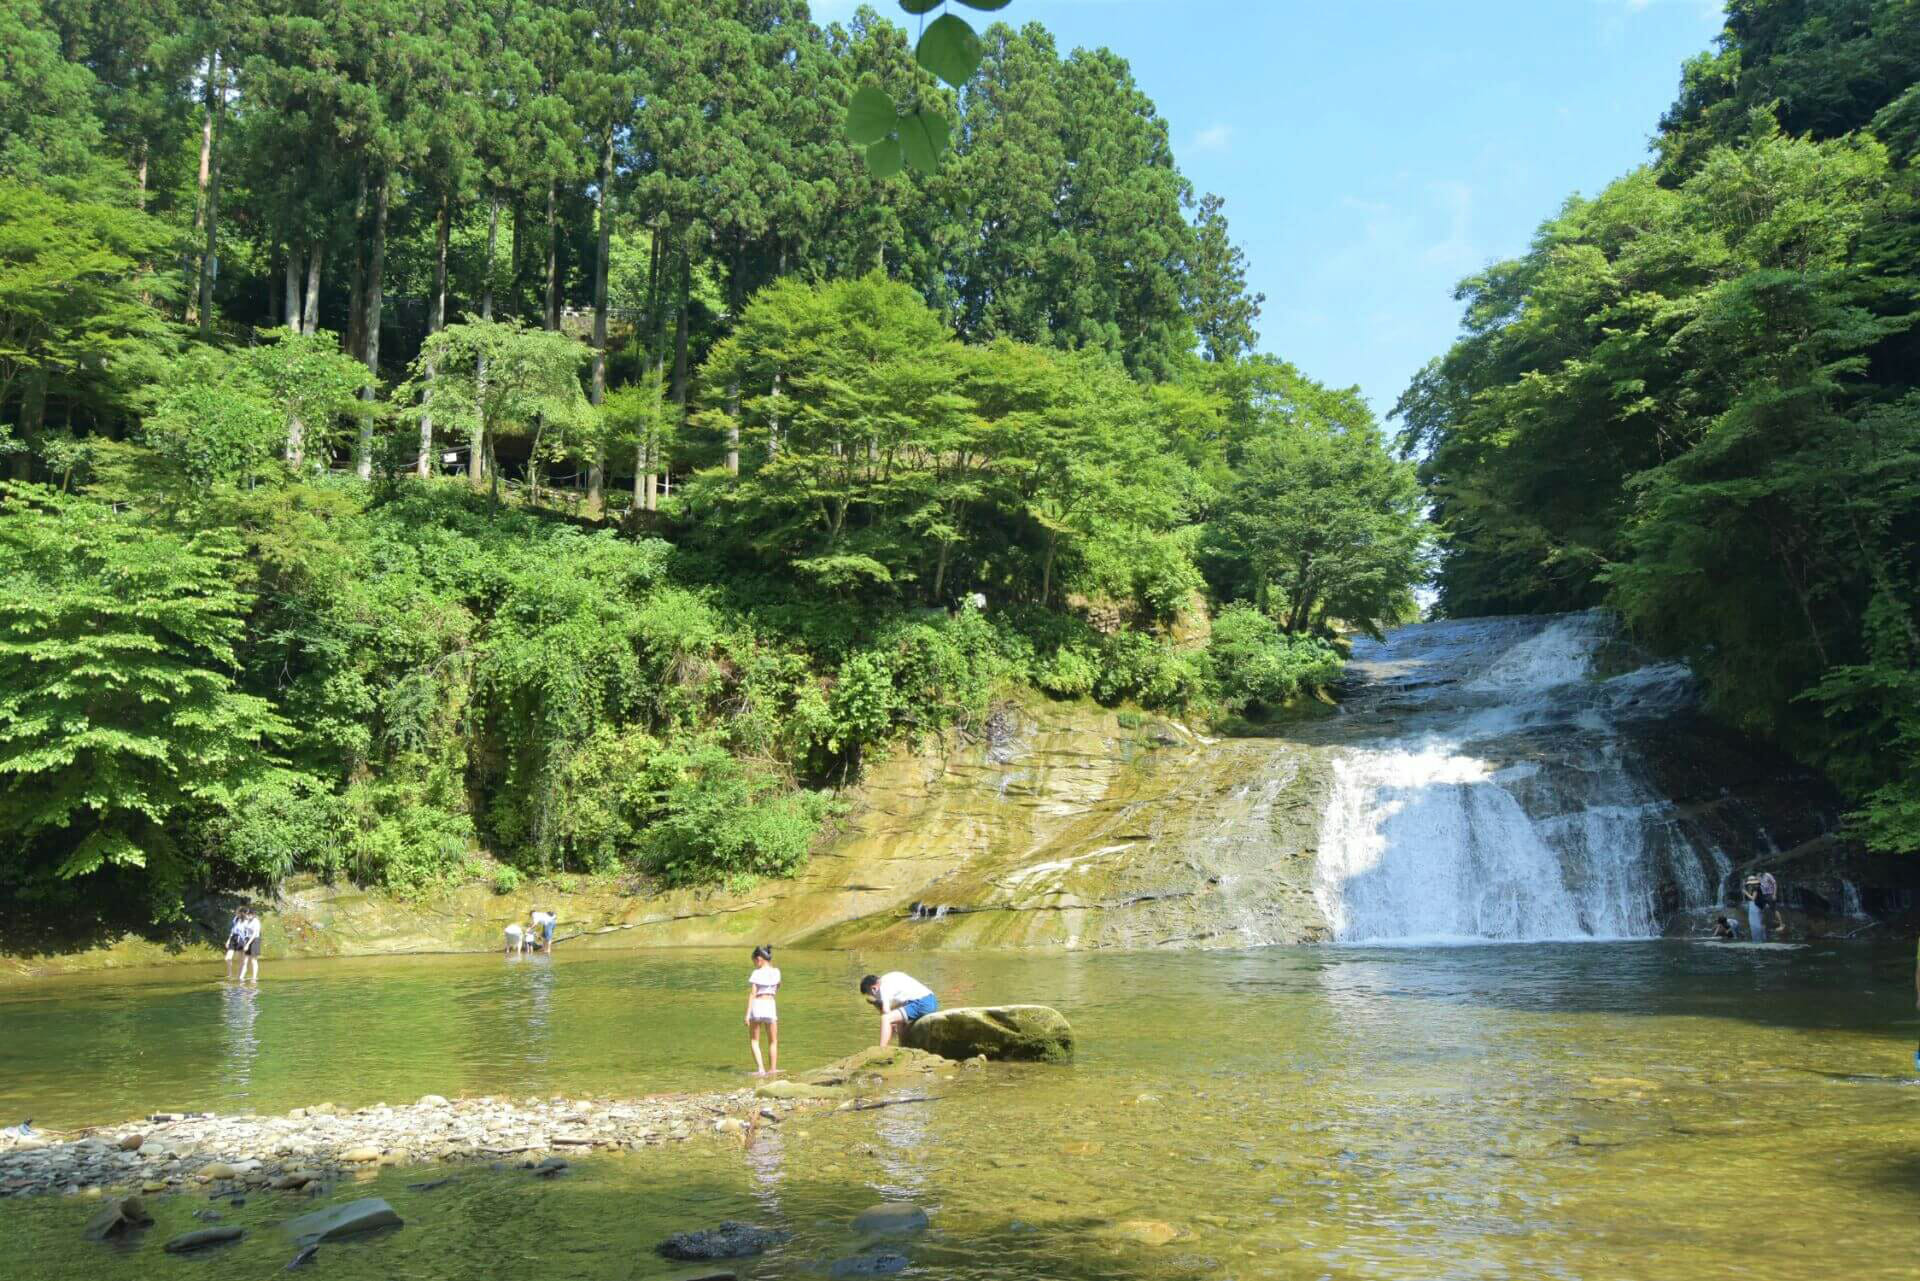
x,y
546,932
921,1008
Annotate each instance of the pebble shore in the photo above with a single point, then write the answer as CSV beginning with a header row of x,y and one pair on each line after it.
x,y
311,1147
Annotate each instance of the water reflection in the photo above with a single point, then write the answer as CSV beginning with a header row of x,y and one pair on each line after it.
x,y
240,1007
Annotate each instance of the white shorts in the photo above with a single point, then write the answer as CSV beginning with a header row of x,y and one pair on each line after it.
x,y
762,1010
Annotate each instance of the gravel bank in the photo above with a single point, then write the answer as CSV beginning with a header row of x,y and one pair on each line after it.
x,y
313,1146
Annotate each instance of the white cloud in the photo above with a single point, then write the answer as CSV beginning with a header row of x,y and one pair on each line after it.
x,y
1215,137
1455,251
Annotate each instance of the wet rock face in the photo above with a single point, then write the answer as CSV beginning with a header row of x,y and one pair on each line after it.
x,y
1764,812
1071,826
1031,1033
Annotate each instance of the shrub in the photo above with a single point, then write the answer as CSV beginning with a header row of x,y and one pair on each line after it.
x,y
506,879
718,819
271,826
1070,673
1251,661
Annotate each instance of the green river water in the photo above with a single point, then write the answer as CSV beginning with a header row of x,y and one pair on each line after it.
x,y
1642,1110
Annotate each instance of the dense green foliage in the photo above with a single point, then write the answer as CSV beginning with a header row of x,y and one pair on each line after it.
x,y
900,448
1697,399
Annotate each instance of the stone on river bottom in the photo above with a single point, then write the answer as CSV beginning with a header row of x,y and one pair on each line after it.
x,y
731,1240
889,1218
1002,1032
117,1219
338,1221
203,1238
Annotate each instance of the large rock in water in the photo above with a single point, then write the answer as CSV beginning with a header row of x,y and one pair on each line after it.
x,y
1026,1032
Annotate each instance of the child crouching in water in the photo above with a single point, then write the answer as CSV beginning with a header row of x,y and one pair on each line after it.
x,y
761,986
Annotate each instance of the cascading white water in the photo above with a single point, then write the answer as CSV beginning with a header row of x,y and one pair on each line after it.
x,y
1493,793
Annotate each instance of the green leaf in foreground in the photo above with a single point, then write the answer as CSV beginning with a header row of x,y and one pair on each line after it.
x,y
923,138
949,49
884,158
870,116
985,5
918,7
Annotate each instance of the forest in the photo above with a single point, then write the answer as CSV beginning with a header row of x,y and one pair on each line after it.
x,y
1696,399
547,437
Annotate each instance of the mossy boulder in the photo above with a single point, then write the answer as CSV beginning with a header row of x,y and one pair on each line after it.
x,y
874,1064
799,1091
1034,1033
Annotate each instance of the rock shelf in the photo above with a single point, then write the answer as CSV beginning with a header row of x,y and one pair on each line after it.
x,y
312,1147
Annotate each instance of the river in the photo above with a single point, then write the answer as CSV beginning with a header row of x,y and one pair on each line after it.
x,y
1599,1110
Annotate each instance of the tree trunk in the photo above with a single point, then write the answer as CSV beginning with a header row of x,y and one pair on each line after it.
x,y
376,268
292,310
553,255
200,201
773,418
735,297
477,447
652,496
733,429
296,430
518,255
940,570
641,476
140,179
680,328
310,313
773,414
210,259
1046,573
436,320
33,417
597,384
357,297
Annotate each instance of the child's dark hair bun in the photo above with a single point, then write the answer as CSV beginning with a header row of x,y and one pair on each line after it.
x,y
764,950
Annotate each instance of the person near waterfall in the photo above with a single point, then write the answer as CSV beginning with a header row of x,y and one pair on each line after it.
x,y
1770,901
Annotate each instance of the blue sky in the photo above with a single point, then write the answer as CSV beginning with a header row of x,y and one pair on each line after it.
x,y
1372,152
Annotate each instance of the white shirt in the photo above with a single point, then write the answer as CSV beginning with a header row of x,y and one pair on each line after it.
x,y
765,980
542,918
896,989
251,929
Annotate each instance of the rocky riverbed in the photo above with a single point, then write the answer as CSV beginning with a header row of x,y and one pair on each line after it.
x,y
312,1148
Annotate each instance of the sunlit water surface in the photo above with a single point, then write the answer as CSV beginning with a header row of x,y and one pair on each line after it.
x,y
1648,1110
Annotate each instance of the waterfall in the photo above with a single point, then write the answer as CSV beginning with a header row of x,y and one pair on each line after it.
x,y
1490,788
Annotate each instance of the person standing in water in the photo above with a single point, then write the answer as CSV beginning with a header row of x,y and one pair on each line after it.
x,y
1769,901
250,946
762,985
516,938
1756,921
234,942
543,922
900,998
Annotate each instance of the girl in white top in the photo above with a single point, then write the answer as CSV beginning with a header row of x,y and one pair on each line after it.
x,y
761,986
250,946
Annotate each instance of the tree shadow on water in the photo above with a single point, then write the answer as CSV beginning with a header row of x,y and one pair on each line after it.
x,y
72,929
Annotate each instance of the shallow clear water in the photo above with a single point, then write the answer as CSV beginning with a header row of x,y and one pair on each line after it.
x,y
1643,1110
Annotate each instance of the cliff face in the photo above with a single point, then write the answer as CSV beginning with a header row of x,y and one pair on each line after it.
x,y
1062,825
